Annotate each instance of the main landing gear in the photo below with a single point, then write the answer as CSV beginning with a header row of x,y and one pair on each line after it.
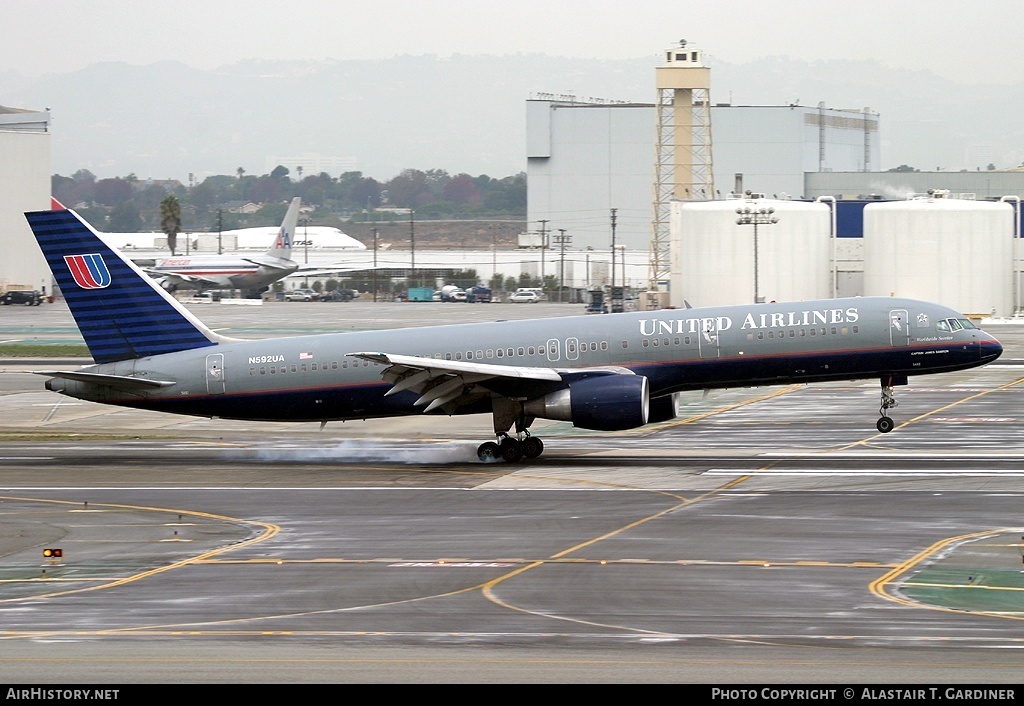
x,y
885,424
510,449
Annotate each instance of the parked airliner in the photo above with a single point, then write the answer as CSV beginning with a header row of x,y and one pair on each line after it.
x,y
606,373
249,274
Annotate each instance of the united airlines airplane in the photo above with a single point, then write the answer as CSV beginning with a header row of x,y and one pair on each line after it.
x,y
605,373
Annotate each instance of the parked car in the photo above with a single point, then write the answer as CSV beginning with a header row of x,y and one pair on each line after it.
x,y
524,297
301,295
339,295
28,297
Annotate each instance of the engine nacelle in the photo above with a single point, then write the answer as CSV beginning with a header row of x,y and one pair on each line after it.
x,y
662,409
603,403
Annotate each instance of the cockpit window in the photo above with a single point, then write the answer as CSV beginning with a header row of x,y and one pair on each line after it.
x,y
954,324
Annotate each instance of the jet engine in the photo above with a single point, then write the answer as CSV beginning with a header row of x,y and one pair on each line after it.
x,y
603,403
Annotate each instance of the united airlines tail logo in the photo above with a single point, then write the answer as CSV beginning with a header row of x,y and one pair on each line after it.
x,y
89,271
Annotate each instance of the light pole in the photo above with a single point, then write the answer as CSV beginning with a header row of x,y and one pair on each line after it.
x,y
305,246
374,264
622,257
763,215
562,239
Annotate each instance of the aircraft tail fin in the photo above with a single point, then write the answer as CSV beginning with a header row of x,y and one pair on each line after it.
x,y
121,312
282,246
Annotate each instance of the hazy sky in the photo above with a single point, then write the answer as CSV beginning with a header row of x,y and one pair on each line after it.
x,y
966,42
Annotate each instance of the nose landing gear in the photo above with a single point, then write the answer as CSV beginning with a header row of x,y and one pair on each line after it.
x,y
885,424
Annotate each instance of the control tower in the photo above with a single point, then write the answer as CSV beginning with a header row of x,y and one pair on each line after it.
x,y
682,161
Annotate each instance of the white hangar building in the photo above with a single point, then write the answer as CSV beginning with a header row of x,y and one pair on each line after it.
x,y
586,158
24,186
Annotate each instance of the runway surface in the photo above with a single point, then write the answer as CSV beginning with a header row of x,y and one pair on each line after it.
x,y
764,536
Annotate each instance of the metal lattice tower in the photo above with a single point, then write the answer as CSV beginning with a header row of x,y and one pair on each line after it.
x,y
682,159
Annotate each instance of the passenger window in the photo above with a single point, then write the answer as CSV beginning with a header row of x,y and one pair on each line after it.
x,y
522,351
646,343
458,355
532,350
604,345
501,353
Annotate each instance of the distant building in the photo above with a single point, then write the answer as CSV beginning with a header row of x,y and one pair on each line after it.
x,y
24,186
586,158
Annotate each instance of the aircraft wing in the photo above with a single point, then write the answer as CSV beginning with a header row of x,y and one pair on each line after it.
x,y
272,263
324,270
450,383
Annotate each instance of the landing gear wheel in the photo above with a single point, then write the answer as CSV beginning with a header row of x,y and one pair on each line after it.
x,y
532,447
885,425
488,452
511,450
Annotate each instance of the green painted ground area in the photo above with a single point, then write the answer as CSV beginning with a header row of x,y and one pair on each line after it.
x,y
976,589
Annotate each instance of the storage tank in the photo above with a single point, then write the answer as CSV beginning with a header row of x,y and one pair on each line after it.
x,y
953,251
714,260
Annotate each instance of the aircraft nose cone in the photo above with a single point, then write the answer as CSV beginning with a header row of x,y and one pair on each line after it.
x,y
990,349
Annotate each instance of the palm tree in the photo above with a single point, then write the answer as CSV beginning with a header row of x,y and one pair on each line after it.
x,y
170,220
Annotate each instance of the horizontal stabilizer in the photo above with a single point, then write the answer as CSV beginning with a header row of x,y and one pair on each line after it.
x,y
121,382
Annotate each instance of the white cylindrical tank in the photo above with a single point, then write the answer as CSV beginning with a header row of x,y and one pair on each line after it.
x,y
957,252
713,260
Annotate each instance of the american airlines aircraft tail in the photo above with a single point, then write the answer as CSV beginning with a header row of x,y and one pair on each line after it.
x,y
605,373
